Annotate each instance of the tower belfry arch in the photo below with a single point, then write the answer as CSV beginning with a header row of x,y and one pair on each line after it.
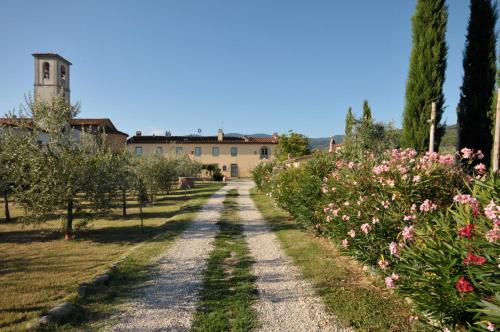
x,y
52,75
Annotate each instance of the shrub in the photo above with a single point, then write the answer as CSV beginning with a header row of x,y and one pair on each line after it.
x,y
451,267
298,189
368,204
262,175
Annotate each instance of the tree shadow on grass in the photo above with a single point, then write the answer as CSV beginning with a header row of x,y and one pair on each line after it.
x,y
127,280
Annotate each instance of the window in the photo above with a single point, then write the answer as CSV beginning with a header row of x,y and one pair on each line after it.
x,y
264,152
158,151
215,151
46,70
63,72
234,151
138,150
197,151
178,150
224,168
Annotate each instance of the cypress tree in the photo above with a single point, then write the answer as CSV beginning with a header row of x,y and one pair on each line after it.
x,y
367,113
474,111
349,122
426,74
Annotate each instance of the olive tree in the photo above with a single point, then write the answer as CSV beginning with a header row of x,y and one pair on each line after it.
x,y
66,176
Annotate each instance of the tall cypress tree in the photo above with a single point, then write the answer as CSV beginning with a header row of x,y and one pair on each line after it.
x,y
349,122
367,112
475,118
426,74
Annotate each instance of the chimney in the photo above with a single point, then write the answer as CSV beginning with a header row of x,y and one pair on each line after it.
x,y
220,135
138,133
332,144
275,136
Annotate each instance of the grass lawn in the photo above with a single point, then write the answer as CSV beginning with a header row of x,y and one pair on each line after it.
x,y
228,286
355,298
38,269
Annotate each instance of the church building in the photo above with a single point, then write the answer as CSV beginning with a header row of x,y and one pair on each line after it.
x,y
52,78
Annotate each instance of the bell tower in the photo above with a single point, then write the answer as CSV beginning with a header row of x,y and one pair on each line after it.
x,y
51,76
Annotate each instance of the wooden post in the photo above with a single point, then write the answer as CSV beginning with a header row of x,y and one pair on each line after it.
x,y
433,127
496,141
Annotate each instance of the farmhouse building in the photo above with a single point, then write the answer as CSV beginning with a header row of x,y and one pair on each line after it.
x,y
235,156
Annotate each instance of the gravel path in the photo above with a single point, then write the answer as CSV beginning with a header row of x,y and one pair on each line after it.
x,y
167,301
286,301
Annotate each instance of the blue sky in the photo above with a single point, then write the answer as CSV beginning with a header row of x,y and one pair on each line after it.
x,y
246,66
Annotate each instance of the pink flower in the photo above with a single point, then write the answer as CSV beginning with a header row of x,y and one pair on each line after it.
x,y
328,218
480,169
409,217
365,228
412,319
447,159
389,281
490,326
394,249
492,235
375,220
416,178
380,169
463,199
351,233
350,165
479,154
345,243
345,217
408,232
468,199
386,204
335,213
383,264
466,153
427,206
413,208
492,212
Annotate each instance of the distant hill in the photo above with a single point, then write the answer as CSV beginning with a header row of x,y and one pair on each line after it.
x,y
320,143
241,135
323,143
449,140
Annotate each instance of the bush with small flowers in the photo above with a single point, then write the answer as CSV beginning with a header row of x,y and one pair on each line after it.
x,y
452,265
373,205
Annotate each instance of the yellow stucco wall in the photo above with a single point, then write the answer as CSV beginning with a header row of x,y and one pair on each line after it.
x,y
247,158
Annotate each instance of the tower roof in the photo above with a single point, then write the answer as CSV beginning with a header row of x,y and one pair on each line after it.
x,y
51,55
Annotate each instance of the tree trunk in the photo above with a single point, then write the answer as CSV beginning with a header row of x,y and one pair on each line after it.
x,y
124,202
68,232
142,218
6,202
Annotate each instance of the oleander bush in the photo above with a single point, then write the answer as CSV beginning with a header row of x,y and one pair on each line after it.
x,y
368,204
427,223
298,189
449,265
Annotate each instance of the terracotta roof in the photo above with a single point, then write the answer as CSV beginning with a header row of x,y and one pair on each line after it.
x,y
51,55
16,122
91,124
109,127
200,140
